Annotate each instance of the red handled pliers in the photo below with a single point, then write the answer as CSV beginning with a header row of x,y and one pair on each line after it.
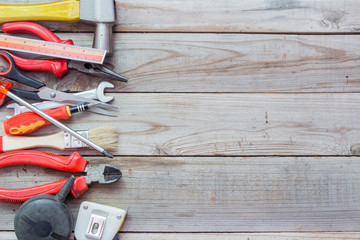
x,y
75,163
58,67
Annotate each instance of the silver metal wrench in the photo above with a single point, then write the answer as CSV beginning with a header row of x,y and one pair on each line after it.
x,y
97,93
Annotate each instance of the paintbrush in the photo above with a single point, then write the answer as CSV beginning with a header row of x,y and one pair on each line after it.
x,y
104,136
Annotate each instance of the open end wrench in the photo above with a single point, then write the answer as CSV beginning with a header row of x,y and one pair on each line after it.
x,y
97,93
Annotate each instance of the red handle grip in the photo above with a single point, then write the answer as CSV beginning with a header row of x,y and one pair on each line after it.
x,y
34,29
73,163
21,195
29,122
58,67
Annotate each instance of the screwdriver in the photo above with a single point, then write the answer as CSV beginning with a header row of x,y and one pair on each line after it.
x,y
29,122
4,91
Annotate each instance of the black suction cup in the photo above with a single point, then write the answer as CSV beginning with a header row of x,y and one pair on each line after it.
x,y
45,217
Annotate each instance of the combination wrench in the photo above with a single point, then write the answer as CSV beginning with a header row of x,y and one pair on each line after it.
x,y
97,93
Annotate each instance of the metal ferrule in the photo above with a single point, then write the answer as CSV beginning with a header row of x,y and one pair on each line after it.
x,y
72,142
79,108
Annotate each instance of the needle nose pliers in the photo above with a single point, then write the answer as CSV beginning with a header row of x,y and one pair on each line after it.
x,y
75,163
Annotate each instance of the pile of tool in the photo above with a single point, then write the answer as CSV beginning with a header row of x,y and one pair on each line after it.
x,y
44,216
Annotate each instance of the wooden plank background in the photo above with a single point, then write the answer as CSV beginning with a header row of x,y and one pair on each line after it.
x,y
255,16
219,194
228,236
246,63
152,124
240,120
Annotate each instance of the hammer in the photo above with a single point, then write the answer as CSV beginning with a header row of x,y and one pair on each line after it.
x,y
99,12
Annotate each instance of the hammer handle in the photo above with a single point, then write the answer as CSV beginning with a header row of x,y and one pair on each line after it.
x,y
63,11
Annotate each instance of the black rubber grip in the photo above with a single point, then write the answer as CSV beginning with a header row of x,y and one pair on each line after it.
x,y
25,94
22,94
15,74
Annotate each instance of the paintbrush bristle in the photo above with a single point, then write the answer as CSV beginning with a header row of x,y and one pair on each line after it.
x,y
105,136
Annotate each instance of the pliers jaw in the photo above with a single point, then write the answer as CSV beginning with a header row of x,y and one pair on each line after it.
x,y
103,173
96,70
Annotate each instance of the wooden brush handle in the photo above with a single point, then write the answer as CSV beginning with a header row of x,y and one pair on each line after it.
x,y
11,143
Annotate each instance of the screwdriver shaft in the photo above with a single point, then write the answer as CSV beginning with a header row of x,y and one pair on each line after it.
x,y
58,124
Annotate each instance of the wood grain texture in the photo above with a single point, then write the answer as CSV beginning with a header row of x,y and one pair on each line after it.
x,y
217,194
225,63
240,236
224,134
238,16
228,16
224,236
229,124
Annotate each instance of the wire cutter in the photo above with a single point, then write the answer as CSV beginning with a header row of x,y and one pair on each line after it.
x,y
75,163
58,67
44,92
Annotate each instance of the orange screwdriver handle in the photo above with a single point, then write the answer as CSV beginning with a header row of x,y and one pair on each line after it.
x,y
29,122
4,88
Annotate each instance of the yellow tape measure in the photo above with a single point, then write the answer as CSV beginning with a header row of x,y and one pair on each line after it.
x,y
56,50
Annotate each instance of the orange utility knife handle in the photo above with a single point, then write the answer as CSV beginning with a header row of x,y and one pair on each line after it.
x,y
28,122
21,195
73,163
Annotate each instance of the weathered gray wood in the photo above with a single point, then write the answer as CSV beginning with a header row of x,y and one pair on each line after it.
x,y
229,124
218,194
225,236
225,63
8,235
229,16
238,16
240,236
225,194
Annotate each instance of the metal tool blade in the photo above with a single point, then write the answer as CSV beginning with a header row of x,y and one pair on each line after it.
x,y
97,93
101,111
96,69
111,174
46,93
103,173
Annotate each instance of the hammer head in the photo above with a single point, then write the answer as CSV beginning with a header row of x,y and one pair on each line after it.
x,y
101,13
97,11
